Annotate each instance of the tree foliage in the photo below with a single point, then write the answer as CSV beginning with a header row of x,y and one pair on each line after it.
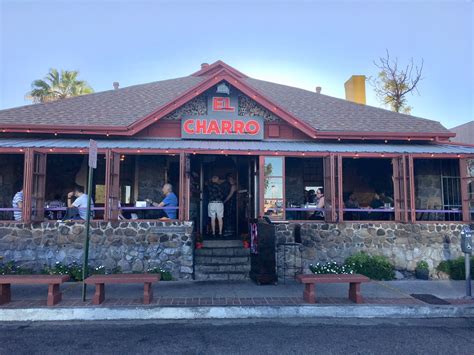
x,y
58,85
393,82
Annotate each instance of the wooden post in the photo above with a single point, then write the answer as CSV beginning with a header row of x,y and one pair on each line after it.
x,y
340,189
27,185
411,184
465,202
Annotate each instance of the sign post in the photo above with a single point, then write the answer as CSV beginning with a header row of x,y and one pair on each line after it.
x,y
92,166
466,248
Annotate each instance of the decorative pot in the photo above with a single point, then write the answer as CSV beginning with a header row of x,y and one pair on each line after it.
x,y
422,274
246,244
198,245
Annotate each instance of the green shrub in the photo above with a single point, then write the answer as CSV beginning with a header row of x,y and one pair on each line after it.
x,y
422,265
374,267
164,275
331,268
455,268
10,268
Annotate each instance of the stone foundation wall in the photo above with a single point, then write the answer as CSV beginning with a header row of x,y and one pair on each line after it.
x,y
132,246
403,244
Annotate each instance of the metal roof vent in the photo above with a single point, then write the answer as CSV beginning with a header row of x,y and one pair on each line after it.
x,y
318,89
223,89
204,65
116,85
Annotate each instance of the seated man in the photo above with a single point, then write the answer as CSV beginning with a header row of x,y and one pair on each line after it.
x,y
17,201
170,200
80,202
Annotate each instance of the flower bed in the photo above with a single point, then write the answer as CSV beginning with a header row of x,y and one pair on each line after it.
x,y
74,270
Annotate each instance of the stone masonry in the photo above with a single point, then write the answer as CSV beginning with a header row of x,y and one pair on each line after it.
x,y
132,246
403,244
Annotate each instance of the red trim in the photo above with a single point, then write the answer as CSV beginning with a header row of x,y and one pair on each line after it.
x,y
235,81
232,152
217,66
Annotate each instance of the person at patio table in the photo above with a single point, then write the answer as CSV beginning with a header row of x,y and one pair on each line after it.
x,y
376,203
386,199
319,204
17,202
170,200
352,203
80,202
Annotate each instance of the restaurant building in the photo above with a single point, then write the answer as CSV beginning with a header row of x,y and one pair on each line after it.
x,y
393,184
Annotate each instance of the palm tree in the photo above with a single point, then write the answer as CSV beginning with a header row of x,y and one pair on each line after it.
x,y
57,86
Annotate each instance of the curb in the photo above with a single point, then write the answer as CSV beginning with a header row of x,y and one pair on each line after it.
x,y
233,312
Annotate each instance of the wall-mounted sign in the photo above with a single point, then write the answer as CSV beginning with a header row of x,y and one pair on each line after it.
x,y
205,127
222,120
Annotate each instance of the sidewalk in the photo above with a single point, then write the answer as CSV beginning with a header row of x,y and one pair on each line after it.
x,y
193,299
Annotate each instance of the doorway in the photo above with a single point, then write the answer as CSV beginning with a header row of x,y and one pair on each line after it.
x,y
240,208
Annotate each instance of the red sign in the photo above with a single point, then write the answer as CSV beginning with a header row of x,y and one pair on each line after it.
x,y
220,103
239,128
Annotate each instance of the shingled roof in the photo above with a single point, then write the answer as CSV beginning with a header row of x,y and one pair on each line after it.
x,y
327,113
120,107
123,107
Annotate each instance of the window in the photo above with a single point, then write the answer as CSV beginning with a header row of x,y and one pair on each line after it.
x,y
368,189
11,182
141,182
273,197
437,190
63,173
304,182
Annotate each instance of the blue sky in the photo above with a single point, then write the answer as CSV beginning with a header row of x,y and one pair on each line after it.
x,y
299,43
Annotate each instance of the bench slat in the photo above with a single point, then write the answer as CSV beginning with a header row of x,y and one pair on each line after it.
x,y
123,278
33,279
332,278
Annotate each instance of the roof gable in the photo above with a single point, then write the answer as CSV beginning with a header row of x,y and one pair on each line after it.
x,y
129,110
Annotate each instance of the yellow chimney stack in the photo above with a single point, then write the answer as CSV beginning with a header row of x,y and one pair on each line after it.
x,y
355,89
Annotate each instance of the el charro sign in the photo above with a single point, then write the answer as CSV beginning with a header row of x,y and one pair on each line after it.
x,y
222,128
222,120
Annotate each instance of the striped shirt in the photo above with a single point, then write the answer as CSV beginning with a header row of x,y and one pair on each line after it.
x,y
18,198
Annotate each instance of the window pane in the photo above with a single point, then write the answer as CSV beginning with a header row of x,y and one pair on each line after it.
x,y
273,188
273,207
273,166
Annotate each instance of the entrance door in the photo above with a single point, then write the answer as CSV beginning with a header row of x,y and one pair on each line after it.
x,y
239,208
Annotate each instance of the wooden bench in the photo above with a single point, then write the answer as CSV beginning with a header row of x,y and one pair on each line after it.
x,y
354,280
100,280
53,282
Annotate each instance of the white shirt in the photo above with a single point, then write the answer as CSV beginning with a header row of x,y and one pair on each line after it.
x,y
18,198
81,204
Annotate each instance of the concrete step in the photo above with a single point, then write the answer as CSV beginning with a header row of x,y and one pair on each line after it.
x,y
211,268
222,276
214,259
223,244
222,252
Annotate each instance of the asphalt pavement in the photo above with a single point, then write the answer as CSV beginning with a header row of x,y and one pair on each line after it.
x,y
291,336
